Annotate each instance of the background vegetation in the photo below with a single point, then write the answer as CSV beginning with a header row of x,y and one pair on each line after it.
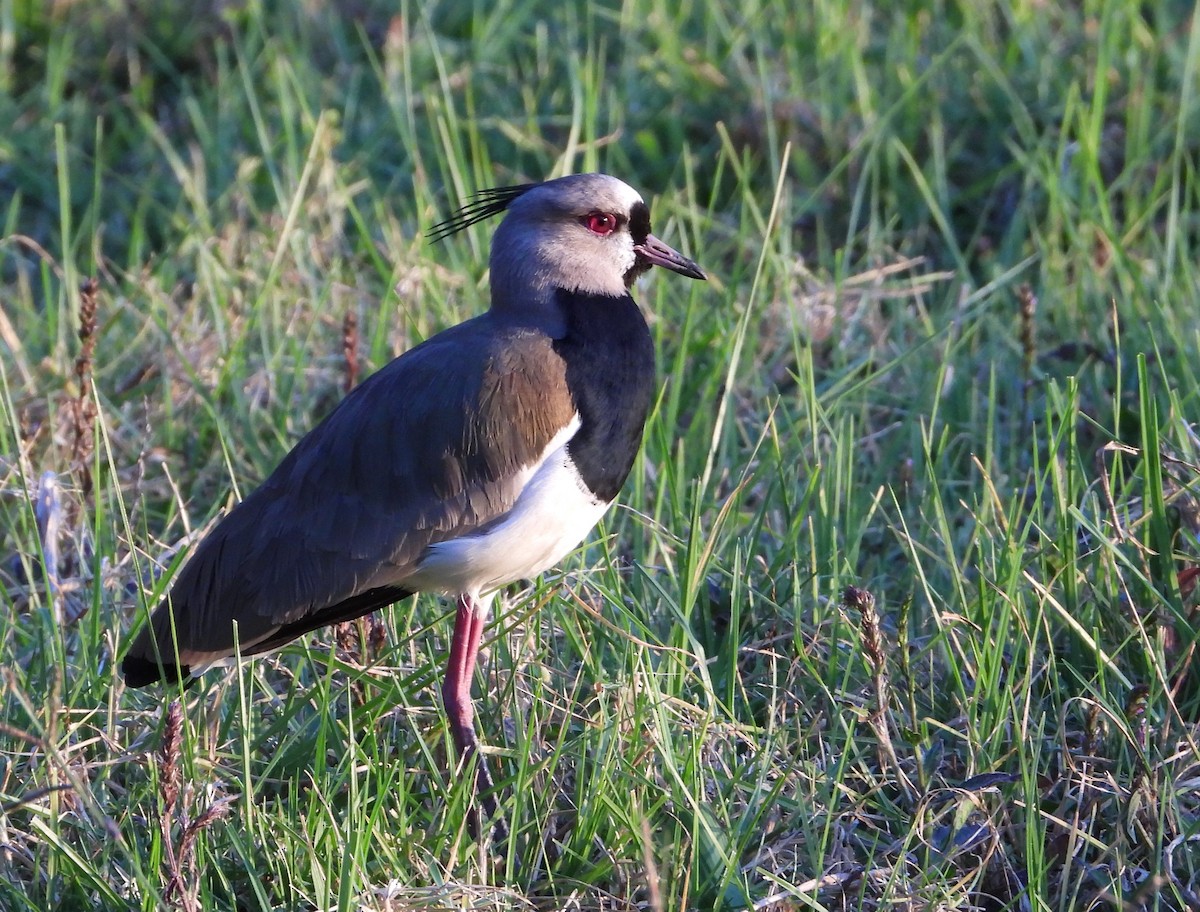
x,y
947,356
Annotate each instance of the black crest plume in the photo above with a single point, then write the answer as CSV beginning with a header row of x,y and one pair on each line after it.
x,y
483,205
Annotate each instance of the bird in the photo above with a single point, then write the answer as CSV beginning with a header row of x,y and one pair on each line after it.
x,y
480,457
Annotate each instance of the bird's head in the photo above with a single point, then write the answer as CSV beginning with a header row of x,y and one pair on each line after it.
x,y
586,233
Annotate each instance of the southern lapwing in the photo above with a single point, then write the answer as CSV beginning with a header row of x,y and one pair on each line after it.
x,y
480,457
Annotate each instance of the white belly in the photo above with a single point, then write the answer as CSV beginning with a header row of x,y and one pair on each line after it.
x,y
553,514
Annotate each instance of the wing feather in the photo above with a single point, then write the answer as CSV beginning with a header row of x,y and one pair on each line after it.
x,y
425,450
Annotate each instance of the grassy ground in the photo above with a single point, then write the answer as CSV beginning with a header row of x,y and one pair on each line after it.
x,y
897,611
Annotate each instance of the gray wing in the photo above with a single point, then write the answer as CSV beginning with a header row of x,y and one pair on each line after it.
x,y
424,450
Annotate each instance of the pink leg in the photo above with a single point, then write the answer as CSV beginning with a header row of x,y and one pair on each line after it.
x,y
456,689
456,697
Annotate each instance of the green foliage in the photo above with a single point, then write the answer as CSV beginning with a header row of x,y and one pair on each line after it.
x,y
946,355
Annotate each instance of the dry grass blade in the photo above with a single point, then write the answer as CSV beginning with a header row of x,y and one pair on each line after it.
x,y
48,513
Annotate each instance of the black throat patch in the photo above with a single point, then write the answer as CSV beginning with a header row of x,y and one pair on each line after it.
x,y
609,356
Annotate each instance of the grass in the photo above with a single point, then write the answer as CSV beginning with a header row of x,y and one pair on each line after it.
x,y
898,607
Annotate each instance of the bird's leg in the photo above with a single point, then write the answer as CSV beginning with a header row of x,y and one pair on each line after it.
x,y
456,696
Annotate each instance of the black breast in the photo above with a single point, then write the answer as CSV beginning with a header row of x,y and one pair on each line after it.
x,y
609,357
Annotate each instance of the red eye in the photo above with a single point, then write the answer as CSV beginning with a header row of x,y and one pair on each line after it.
x,y
600,223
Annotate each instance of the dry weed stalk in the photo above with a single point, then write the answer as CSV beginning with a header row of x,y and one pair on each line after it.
x,y
362,639
1028,303
83,406
872,643
182,889
350,348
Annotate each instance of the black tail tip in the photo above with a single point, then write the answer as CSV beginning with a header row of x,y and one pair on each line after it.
x,y
141,672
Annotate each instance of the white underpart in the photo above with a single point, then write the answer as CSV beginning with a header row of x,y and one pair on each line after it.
x,y
553,513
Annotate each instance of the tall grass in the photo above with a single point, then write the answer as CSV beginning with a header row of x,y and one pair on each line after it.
x,y
898,606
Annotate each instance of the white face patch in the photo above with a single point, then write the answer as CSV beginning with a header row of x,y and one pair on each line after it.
x,y
624,193
625,253
554,513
